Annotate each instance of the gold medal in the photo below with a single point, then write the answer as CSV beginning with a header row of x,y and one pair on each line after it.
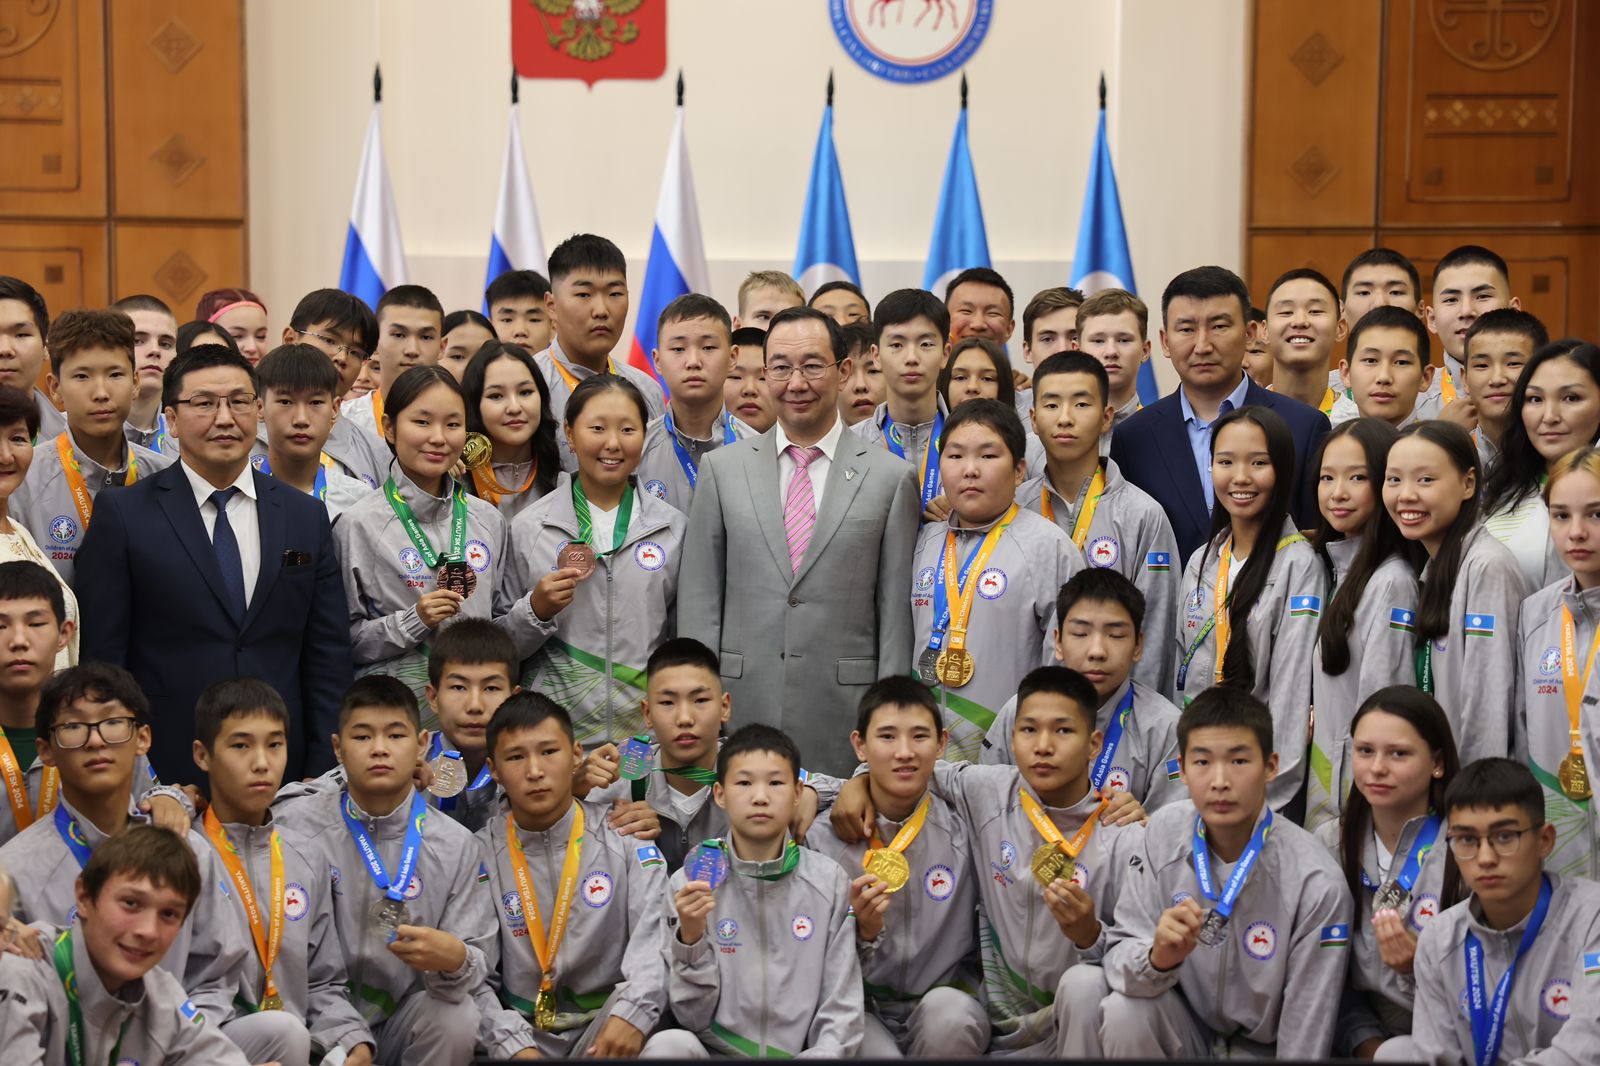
x,y
1574,777
1050,863
888,866
544,1010
476,452
955,667
272,1002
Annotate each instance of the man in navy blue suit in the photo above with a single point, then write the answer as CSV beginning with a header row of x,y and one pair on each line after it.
x,y
1165,449
211,570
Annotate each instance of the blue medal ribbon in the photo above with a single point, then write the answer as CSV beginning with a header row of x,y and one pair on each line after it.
x,y
691,469
930,466
1489,1016
1241,870
161,433
484,778
395,887
1417,856
941,598
1108,747
71,835
319,489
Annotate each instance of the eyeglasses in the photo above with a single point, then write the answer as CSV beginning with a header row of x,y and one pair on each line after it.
x,y
809,371
205,404
338,349
76,734
1505,842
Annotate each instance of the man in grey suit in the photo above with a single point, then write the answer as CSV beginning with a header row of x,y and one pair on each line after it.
x,y
797,562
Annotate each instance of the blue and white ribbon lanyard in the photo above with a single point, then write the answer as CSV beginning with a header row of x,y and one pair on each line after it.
x,y
319,489
1108,747
1488,1015
393,887
930,462
1241,870
941,598
1415,858
71,835
483,780
691,469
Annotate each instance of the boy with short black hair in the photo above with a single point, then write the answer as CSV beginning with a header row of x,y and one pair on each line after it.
x,y
746,393
409,906
92,374
298,387
981,304
584,980
1234,928
410,333
24,324
1379,277
516,310
1509,973
290,995
1113,326
588,304
1385,371
155,343
97,995
731,987
1498,345
914,905
913,327
1113,523
1467,282
343,328
1257,359
472,670
93,726
1303,325
842,301
863,391
693,355
1099,633
762,294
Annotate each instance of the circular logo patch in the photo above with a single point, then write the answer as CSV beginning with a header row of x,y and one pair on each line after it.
x,y
802,927
414,888
1423,908
258,461
1118,779
939,883
296,901
656,488
511,903
1550,661
1008,854
1103,551
727,929
1080,875
1179,897
649,555
1260,941
597,888
1192,602
1556,999
478,556
63,529
411,560
924,581
992,583
900,46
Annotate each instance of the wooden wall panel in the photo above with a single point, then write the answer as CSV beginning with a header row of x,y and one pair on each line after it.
x,y
66,261
177,93
1315,99
52,108
176,262
1273,253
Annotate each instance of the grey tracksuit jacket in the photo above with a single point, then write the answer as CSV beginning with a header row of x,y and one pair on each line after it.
x,y
1276,978
145,785
1282,630
678,836
560,391
662,475
1553,1011
590,657
1013,615
775,973
1146,762
611,950
1131,535
164,1027
471,809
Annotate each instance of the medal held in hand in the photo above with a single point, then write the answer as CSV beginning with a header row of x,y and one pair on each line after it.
x,y
458,577
888,866
1213,930
1050,862
1058,856
579,557
635,759
1391,897
477,451
709,863
387,916
928,666
449,774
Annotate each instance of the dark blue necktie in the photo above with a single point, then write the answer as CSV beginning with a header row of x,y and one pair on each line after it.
x,y
226,545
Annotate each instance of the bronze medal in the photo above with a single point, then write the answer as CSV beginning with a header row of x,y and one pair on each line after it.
x,y
1051,863
1573,776
272,1002
477,451
888,866
576,556
458,577
544,1010
955,667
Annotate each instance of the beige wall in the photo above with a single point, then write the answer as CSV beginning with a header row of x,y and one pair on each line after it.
x,y
755,71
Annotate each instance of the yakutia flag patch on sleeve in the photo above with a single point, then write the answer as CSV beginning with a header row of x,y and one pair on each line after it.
x,y
1305,606
1478,625
649,856
1335,936
1591,964
1158,562
1174,769
1402,619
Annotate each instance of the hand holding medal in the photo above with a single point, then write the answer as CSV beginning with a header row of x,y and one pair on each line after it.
x,y
708,867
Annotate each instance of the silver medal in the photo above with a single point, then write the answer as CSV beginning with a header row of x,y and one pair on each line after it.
x,y
1214,930
449,774
388,915
1391,897
928,666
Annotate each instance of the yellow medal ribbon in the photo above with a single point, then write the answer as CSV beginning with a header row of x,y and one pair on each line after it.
x,y
377,410
1219,606
269,940
1091,503
571,379
80,492
1573,684
1447,387
961,599
1328,398
908,832
544,949
1047,829
16,775
489,487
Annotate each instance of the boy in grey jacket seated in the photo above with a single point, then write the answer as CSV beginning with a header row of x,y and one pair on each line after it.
x,y
773,973
97,995
1511,974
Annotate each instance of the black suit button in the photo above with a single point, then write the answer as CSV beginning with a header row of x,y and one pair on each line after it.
x,y
793,601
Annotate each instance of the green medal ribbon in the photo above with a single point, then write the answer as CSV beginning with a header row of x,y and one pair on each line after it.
x,y
413,528
69,983
700,775
580,505
1424,665
791,859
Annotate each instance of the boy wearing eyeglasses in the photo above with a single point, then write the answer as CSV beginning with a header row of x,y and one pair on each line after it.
x,y
1511,974
93,725
344,328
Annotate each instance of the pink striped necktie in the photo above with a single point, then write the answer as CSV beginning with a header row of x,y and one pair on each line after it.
x,y
800,504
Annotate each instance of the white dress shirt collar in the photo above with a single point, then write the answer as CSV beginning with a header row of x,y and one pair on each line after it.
x,y
829,442
202,489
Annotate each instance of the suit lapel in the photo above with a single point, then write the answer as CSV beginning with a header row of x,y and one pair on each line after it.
x,y
845,474
270,524
177,500
1181,468
761,471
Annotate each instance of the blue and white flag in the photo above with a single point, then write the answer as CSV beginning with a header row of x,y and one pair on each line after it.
x,y
1102,260
959,239
374,257
516,243
827,250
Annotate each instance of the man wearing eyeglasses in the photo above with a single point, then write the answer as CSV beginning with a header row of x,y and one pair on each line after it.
x,y
1511,974
799,552
212,570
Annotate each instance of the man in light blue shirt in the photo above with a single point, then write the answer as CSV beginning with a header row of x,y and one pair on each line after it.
x,y
1200,433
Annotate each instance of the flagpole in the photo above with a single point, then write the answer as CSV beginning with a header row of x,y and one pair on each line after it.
x,y
680,86
377,83
514,90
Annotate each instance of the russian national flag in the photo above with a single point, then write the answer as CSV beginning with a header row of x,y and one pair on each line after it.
x,y
374,257
1102,260
827,250
677,262
959,239
516,243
